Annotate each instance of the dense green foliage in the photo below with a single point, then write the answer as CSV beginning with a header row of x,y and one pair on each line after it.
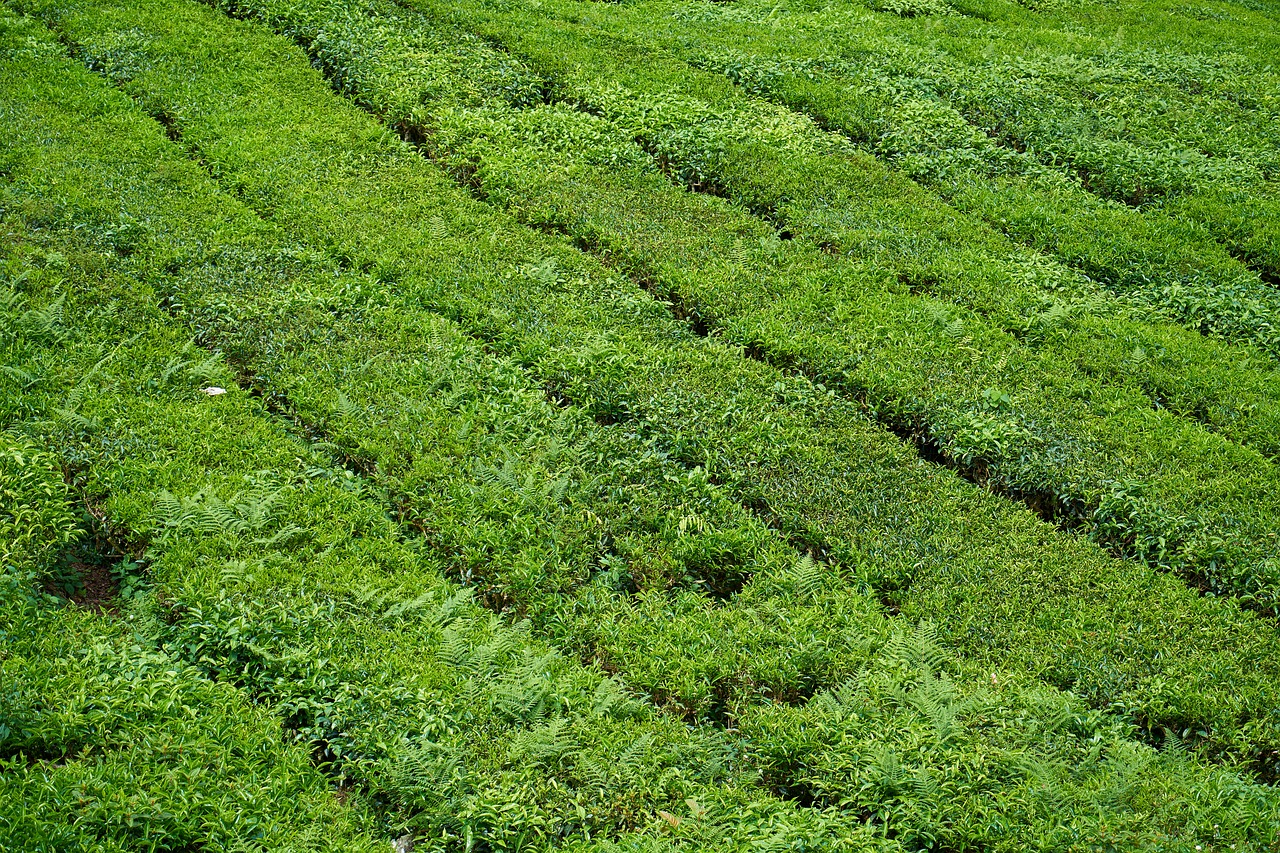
x,y
1001,404
597,534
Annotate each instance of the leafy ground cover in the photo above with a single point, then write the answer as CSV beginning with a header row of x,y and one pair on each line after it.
x,y
728,547
535,540
1011,92
1045,444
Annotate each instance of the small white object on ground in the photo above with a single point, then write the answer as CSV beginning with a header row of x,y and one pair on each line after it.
x,y
214,390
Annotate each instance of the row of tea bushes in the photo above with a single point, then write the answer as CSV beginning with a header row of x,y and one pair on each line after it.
x,y
782,445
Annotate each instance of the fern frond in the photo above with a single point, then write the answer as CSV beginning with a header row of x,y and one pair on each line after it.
x,y
233,573
609,696
427,776
208,369
455,649
345,408
629,762
593,775
168,510
437,229
454,606
218,518
935,698
808,573
543,745
402,609
67,417
24,379
926,784
524,693
284,536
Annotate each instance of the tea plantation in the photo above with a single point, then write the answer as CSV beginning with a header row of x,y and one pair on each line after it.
x,y
640,426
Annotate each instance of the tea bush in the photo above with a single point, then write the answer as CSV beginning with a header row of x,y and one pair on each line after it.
x,y
432,410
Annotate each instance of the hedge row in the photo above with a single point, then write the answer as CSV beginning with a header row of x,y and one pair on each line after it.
x,y
277,571
1148,484
958,101
106,742
818,186
264,571
931,545
291,583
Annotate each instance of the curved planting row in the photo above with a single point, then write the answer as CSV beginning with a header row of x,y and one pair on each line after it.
x,y
272,574
1090,454
1179,132
817,186
108,747
832,484
108,743
279,577
289,582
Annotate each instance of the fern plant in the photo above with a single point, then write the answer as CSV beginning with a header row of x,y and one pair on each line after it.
x,y
249,514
